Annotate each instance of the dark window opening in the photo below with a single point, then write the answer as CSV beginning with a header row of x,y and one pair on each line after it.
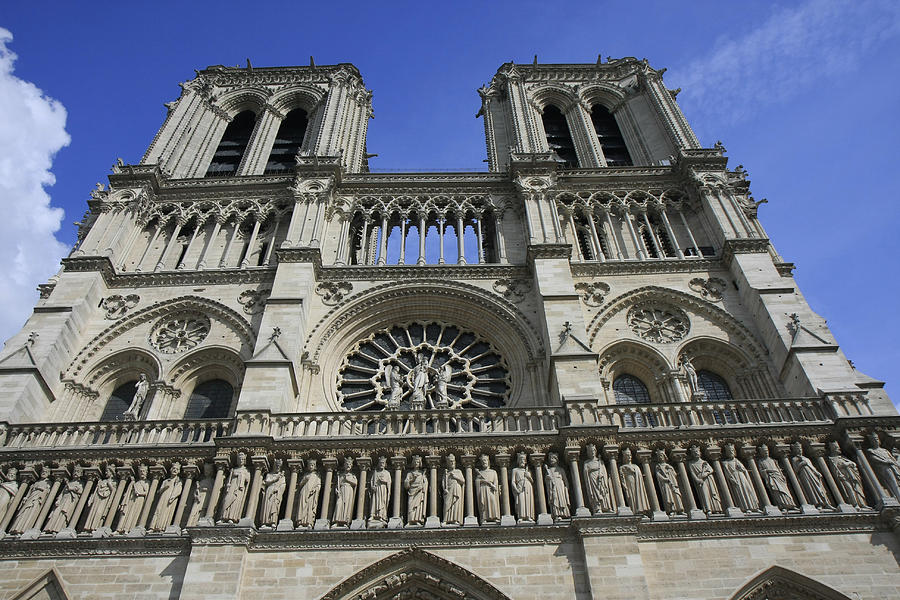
x,y
118,402
558,137
584,242
649,246
261,259
234,143
628,389
611,141
288,142
716,390
210,400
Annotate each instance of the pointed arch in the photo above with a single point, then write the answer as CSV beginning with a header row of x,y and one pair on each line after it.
x,y
45,587
785,584
415,570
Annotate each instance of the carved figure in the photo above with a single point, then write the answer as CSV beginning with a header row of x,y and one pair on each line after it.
x,y
667,477
846,475
452,485
140,393
633,484
100,500
393,382
65,504
34,501
416,486
441,396
201,493
8,489
167,500
379,493
419,383
811,481
690,374
774,480
557,487
273,491
133,504
344,494
308,495
235,491
886,467
487,487
702,475
523,488
738,479
596,482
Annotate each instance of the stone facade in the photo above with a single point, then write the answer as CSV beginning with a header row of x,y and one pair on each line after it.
x,y
265,371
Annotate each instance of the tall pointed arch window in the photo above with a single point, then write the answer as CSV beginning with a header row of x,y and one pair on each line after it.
x,y
610,137
119,401
559,139
211,399
288,141
234,143
716,389
628,389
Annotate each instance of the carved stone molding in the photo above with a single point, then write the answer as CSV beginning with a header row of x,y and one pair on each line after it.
x,y
594,293
254,301
711,289
333,292
180,332
513,290
658,323
117,305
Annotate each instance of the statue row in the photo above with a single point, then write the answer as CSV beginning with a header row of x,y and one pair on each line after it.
x,y
396,492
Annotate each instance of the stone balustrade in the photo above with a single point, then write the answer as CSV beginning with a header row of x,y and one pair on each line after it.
x,y
54,435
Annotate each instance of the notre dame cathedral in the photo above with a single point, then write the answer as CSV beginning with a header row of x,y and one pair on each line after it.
x,y
265,371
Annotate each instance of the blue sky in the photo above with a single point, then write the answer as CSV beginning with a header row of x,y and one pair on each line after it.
x,y
804,94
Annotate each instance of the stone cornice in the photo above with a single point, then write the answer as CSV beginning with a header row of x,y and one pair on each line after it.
x,y
641,267
536,251
743,246
112,279
49,547
408,272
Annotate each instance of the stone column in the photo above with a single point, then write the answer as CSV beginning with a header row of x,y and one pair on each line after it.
x,y
781,453
537,464
470,519
223,262
748,453
713,454
26,480
460,243
92,474
246,260
260,467
432,462
643,457
59,476
506,517
687,492
157,472
176,230
572,454
322,522
364,463
421,260
190,473
287,523
123,474
217,225
817,452
156,231
209,519
396,521
611,452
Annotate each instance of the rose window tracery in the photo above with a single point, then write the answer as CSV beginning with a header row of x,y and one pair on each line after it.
x,y
178,333
659,324
422,366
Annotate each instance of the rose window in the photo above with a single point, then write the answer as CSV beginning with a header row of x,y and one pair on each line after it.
x,y
658,324
422,366
179,333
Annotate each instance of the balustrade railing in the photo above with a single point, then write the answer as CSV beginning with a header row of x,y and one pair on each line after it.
x,y
49,435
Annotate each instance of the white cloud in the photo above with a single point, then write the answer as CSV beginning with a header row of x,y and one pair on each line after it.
x,y
32,130
794,48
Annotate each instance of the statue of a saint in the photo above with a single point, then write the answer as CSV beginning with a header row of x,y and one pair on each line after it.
x,y
133,504
738,479
201,493
65,504
523,489
441,395
235,491
167,499
846,475
379,493
487,488
774,480
666,476
557,487
452,485
272,493
690,373
137,402
885,466
31,507
633,484
811,481
701,473
344,494
416,485
596,482
419,382
99,503
308,495
8,489
393,383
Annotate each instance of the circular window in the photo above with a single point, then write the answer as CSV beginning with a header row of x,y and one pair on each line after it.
x,y
178,333
422,366
658,323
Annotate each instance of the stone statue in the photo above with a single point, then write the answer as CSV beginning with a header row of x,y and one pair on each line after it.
x,y
65,505
201,493
667,477
846,475
140,393
393,382
633,484
701,474
596,482
419,383
8,489
690,374
487,488
272,493
523,489
167,499
308,495
809,478
344,494
133,504
34,501
379,493
774,480
738,479
453,485
235,491
416,485
885,466
557,487
99,503
441,395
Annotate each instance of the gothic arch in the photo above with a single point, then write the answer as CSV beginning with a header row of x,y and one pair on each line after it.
x,y
605,95
725,360
784,584
122,365
415,570
306,97
561,97
635,358
253,99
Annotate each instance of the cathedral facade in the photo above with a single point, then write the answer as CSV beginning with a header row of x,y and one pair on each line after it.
x,y
267,372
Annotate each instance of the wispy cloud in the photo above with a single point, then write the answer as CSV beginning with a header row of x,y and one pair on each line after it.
x,y
795,47
32,130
